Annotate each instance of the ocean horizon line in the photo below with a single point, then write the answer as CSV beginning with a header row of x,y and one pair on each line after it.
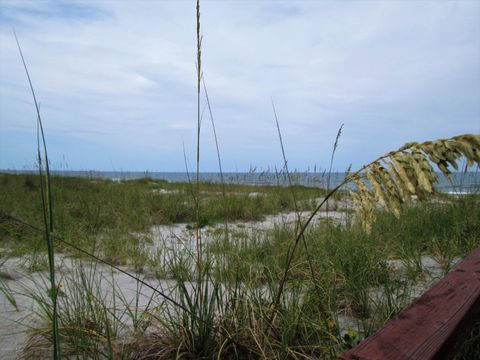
x,y
459,182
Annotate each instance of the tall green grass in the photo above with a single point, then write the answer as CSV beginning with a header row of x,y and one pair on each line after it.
x,y
47,208
242,295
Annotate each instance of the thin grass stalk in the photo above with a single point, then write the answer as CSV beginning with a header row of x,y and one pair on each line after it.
x,y
8,294
47,209
199,79
199,288
295,204
334,150
285,166
277,175
215,136
190,187
189,179
222,180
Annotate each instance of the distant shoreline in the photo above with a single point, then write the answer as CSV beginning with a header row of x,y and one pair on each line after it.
x,y
462,183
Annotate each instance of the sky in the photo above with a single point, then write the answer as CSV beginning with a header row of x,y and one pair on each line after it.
x,y
116,81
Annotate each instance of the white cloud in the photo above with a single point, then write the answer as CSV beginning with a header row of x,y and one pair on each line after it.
x,y
122,74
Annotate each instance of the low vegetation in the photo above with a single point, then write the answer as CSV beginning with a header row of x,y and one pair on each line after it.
x,y
344,282
102,288
88,209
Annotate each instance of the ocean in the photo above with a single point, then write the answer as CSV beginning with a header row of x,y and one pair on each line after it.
x,y
460,182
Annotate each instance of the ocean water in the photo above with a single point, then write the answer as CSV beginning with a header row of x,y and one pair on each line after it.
x,y
468,182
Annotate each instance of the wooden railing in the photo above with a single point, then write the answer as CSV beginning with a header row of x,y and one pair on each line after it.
x,y
434,325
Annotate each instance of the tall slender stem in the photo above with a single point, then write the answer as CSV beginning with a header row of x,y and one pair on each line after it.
x,y
199,123
47,208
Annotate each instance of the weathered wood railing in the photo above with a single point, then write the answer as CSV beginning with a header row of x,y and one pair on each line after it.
x,y
434,325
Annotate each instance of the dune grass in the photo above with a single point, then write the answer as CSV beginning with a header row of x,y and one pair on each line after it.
x,y
361,279
86,209
245,295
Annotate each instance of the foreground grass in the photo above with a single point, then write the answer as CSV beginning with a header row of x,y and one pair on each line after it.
x,y
344,283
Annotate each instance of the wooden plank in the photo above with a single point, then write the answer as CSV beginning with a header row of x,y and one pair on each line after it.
x,y
434,324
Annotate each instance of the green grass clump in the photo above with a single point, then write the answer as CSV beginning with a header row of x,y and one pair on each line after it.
x,y
92,320
354,273
88,209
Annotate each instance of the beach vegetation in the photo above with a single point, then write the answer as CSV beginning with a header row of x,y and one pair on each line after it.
x,y
244,271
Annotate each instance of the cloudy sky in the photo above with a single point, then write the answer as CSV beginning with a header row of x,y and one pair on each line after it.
x,y
117,85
